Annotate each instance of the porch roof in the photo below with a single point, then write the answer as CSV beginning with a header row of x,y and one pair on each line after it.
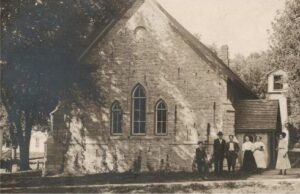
x,y
257,115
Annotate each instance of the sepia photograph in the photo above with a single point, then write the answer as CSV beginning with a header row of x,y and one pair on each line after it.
x,y
150,96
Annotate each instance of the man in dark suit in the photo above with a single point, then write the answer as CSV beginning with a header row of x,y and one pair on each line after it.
x,y
201,160
232,150
219,153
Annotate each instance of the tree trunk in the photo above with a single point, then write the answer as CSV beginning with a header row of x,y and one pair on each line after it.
x,y
24,156
23,138
1,141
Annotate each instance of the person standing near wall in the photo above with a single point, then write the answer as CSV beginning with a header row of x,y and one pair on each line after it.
x,y
201,160
219,153
259,155
249,164
232,149
283,162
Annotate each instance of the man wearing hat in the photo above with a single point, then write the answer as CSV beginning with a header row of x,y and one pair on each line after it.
x,y
219,153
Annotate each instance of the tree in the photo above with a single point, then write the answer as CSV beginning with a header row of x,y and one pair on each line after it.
x,y
252,70
40,44
3,127
285,52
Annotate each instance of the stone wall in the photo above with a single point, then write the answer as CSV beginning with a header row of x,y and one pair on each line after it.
x,y
143,48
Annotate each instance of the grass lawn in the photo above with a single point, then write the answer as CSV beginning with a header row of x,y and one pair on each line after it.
x,y
35,179
182,182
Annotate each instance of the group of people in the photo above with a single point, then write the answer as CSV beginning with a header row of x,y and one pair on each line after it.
x,y
254,159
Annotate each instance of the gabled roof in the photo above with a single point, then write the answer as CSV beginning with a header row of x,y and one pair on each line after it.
x,y
274,70
204,52
207,54
257,115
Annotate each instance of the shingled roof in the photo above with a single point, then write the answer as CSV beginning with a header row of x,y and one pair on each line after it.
x,y
257,115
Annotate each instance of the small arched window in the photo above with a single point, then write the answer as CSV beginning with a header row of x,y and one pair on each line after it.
x,y
139,110
161,117
116,118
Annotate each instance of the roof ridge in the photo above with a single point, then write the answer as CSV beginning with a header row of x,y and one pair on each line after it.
x,y
195,40
107,28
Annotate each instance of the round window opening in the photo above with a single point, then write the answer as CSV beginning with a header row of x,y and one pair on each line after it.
x,y
140,33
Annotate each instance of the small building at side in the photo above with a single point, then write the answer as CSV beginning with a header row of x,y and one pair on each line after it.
x,y
259,118
160,91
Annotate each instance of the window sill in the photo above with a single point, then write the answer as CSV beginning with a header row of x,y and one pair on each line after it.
x,y
149,137
139,137
276,91
161,135
184,143
116,134
138,134
117,137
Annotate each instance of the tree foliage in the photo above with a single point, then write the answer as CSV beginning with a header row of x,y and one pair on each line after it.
x,y
285,52
252,70
4,129
40,44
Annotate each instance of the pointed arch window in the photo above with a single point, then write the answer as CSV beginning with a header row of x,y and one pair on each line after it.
x,y
139,110
116,118
161,118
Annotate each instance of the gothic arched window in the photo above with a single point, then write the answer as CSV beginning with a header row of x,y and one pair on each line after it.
x,y
139,110
116,118
161,117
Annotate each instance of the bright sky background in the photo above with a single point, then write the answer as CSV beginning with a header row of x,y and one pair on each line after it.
x,y
241,24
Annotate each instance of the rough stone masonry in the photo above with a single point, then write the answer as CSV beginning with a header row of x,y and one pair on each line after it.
x,y
145,48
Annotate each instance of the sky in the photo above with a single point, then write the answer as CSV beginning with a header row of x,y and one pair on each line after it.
x,y
241,24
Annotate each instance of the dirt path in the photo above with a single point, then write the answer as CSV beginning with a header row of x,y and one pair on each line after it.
x,y
273,174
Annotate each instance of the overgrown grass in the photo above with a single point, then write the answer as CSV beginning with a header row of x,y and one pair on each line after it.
x,y
116,178
224,187
98,183
174,188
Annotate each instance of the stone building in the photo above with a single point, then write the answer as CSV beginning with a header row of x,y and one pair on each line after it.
x,y
161,91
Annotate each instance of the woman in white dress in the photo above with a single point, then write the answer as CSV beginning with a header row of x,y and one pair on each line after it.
x,y
259,154
283,162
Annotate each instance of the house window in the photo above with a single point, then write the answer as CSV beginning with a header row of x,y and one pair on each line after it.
x,y
139,110
116,118
278,82
161,118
